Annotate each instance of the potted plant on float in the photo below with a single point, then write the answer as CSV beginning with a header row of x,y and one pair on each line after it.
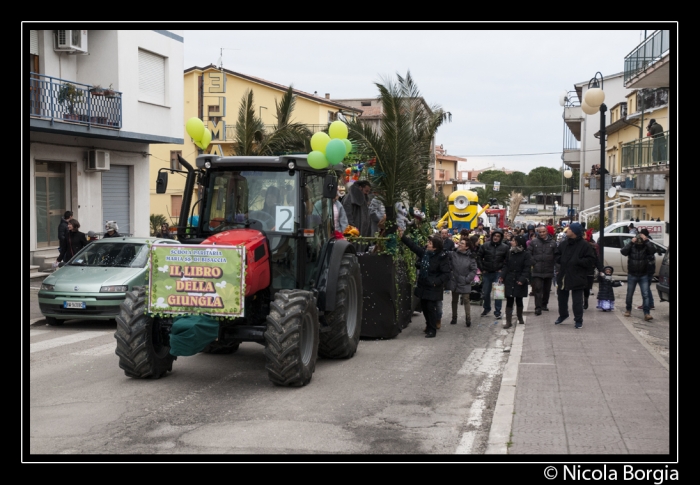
x,y
69,94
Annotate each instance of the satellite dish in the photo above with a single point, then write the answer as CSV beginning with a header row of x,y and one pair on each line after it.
x,y
612,191
562,98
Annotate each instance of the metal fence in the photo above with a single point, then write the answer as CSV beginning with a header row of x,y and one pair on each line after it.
x,y
646,53
646,152
56,99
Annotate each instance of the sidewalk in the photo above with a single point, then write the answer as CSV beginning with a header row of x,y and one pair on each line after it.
x,y
598,390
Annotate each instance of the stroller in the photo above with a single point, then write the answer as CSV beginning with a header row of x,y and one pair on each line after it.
x,y
475,297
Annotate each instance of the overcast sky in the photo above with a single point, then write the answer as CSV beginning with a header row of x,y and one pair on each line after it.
x,y
501,86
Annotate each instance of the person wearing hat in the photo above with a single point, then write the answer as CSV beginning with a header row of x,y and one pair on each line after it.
x,y
658,150
111,229
574,258
356,205
639,250
63,229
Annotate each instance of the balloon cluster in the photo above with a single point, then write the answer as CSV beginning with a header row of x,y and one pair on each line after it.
x,y
331,148
353,171
199,133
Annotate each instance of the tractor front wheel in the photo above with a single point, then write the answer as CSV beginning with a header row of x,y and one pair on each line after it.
x,y
143,346
291,338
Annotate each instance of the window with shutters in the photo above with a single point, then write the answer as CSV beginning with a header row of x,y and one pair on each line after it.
x,y
151,77
175,204
174,162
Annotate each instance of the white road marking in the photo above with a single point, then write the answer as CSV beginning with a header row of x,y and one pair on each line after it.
x,y
68,339
484,361
105,349
34,333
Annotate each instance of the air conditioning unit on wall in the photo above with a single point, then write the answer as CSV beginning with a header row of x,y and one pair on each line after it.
x,y
71,41
97,161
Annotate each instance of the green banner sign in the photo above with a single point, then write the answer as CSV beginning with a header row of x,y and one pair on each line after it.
x,y
194,279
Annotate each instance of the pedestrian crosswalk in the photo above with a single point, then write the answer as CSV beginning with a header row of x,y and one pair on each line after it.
x,y
66,340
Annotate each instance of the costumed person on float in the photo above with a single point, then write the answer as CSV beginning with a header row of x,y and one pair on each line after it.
x,y
463,211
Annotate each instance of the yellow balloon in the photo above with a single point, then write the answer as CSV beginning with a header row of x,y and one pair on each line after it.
x,y
199,144
319,141
195,128
206,139
338,129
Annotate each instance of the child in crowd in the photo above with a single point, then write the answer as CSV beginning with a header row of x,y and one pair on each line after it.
x,y
606,296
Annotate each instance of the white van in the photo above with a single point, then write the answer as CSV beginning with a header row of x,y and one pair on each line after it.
x,y
656,228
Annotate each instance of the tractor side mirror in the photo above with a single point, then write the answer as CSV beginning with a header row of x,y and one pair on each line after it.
x,y
161,182
330,186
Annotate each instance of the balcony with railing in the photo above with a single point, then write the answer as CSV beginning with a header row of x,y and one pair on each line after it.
x,y
650,154
231,130
62,100
648,64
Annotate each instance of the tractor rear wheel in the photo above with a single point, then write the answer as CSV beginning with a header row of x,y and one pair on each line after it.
x,y
142,345
291,338
341,339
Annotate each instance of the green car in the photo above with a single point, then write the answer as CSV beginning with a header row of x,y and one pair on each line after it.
x,y
92,285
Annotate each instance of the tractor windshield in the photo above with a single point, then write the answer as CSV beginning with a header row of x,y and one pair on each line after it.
x,y
252,198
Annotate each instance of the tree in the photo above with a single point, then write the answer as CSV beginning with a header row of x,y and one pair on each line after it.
x,y
487,193
157,220
402,145
545,180
251,138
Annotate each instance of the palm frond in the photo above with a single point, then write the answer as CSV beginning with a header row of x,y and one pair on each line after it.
x,y
249,132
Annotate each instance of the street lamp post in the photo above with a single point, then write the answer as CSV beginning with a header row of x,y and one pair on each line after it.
x,y
592,103
567,175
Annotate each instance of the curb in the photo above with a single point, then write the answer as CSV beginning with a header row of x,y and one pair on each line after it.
x,y
502,422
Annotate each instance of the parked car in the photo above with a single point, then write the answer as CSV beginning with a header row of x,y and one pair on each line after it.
x,y
656,228
663,285
530,211
614,243
92,285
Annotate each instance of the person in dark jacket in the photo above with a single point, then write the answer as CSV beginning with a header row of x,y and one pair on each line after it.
x,y
448,243
62,229
356,205
606,294
655,130
516,276
638,252
434,273
594,271
463,263
651,272
574,257
491,258
542,250
75,241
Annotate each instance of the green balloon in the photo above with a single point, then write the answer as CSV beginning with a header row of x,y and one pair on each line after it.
x,y
348,145
317,160
335,151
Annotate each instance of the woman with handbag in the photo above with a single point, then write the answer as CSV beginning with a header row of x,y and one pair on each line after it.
x,y
516,277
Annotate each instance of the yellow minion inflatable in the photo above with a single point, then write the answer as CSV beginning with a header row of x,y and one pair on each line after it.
x,y
462,211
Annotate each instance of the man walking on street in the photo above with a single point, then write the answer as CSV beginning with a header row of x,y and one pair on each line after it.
x,y
490,259
63,229
542,250
575,257
638,252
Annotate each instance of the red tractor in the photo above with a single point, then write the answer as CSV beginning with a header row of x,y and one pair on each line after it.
x,y
303,288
